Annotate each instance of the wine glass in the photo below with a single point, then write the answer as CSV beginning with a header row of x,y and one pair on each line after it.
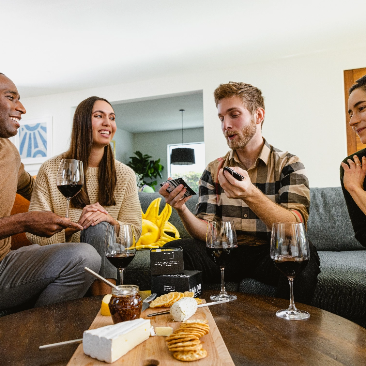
x,y
290,253
220,243
120,250
70,179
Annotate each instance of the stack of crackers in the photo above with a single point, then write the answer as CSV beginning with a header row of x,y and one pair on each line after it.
x,y
167,300
185,341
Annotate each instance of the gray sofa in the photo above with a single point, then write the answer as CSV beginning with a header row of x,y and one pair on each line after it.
x,y
341,287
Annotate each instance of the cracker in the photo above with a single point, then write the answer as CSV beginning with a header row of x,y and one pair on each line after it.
x,y
177,296
195,331
199,321
199,301
195,347
190,356
175,336
183,339
184,344
192,326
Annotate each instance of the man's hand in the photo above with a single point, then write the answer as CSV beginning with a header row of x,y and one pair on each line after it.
x,y
235,188
175,197
354,173
46,223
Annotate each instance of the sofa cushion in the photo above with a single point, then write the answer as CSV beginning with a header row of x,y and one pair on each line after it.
x,y
341,284
329,225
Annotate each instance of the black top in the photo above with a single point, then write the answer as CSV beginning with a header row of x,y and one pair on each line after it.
x,y
358,218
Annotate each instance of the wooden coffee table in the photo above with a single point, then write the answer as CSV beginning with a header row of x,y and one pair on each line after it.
x,y
249,327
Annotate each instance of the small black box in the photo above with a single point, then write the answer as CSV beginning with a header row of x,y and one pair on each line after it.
x,y
166,261
186,281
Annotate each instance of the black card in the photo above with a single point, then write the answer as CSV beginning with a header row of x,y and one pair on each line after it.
x,y
173,183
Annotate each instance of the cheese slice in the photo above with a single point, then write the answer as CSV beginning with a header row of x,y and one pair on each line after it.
x,y
113,341
183,309
163,331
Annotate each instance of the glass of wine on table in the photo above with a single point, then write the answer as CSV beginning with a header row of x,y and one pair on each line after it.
x,y
70,179
290,253
121,249
221,242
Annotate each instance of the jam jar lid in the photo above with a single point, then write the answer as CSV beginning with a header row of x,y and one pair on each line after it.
x,y
125,290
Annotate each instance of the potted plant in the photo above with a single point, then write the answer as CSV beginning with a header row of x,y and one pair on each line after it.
x,y
143,165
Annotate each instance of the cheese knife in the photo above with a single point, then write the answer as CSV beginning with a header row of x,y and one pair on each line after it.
x,y
147,301
199,306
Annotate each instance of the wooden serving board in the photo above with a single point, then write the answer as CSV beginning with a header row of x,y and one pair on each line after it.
x,y
154,351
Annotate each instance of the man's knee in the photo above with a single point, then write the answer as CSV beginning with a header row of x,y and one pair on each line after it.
x,y
85,255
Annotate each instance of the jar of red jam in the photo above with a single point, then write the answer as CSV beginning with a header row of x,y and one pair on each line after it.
x,y
125,303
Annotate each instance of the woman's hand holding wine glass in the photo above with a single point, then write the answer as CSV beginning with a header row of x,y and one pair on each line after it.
x,y
70,179
290,253
220,243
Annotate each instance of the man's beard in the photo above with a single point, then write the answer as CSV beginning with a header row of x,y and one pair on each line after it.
x,y
243,137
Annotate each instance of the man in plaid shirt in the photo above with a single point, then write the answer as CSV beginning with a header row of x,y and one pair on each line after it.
x,y
274,189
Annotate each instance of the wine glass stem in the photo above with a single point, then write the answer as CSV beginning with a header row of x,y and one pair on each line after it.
x,y
292,301
120,275
223,290
67,207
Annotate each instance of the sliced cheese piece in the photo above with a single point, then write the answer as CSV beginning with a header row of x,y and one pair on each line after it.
x,y
163,331
113,341
183,309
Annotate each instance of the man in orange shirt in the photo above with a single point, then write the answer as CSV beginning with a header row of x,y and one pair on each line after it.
x,y
33,274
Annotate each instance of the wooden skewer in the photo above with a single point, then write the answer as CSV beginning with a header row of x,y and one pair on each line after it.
x,y
101,278
60,343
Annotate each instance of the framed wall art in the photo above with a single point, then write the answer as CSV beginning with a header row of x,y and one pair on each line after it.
x,y
34,140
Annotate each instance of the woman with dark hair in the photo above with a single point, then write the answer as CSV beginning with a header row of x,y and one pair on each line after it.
x,y
109,195
353,168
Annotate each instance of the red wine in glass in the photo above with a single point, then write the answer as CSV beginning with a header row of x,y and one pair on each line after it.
x,y
220,255
70,190
120,249
121,260
70,179
220,244
290,253
289,266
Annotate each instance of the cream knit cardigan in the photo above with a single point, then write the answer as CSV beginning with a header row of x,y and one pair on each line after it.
x,y
46,197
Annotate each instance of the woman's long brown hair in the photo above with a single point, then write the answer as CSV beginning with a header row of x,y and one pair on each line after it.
x,y
80,149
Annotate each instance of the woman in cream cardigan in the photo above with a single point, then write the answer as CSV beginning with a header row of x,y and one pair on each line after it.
x,y
109,195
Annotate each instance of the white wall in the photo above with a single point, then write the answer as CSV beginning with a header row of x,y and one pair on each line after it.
x,y
304,106
155,144
124,145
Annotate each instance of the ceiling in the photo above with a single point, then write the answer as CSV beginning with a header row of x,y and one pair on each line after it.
x,y
56,46
161,114
53,46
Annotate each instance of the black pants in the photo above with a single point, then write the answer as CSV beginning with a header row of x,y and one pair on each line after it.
x,y
250,262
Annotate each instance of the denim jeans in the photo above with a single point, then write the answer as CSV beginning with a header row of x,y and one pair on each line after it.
x,y
43,275
98,236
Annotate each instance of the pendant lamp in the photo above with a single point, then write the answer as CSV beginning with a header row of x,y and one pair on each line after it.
x,y
182,155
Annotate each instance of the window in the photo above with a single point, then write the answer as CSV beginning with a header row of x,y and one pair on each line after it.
x,y
190,173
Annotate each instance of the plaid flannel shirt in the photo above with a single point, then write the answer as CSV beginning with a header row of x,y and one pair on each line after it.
x,y
279,175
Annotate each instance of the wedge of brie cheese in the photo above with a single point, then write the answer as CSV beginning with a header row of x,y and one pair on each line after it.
x,y
183,309
113,341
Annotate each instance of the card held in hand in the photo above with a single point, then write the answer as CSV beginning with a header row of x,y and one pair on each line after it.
x,y
173,183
